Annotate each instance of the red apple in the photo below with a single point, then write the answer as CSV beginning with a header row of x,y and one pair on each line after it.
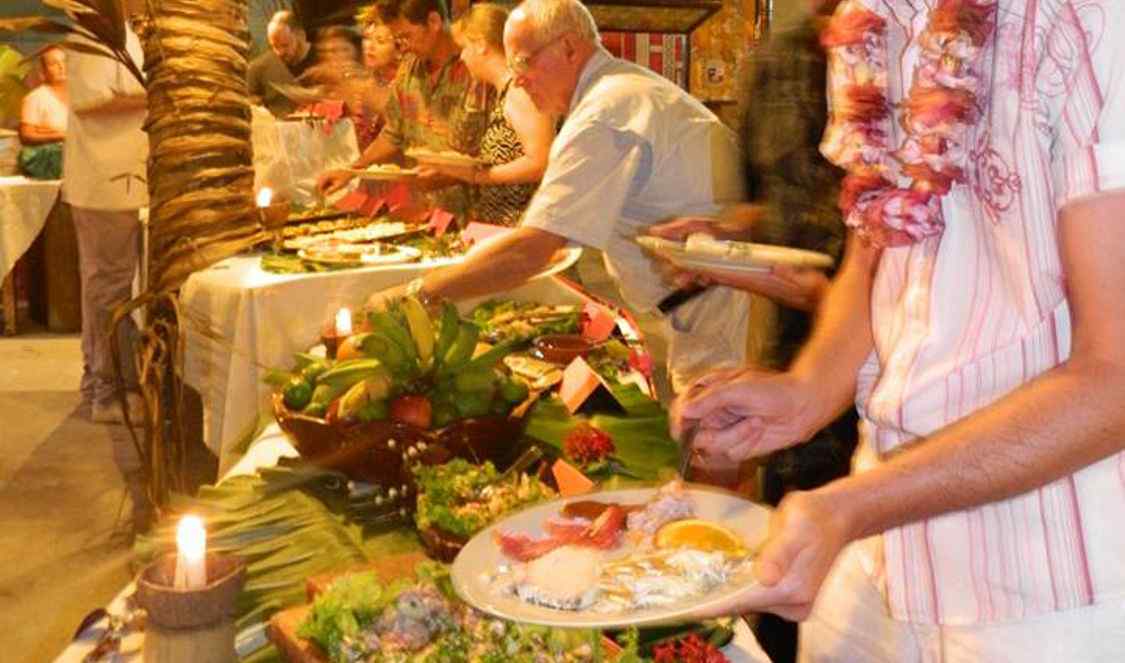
x,y
412,409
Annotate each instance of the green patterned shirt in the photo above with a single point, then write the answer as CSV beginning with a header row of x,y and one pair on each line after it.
x,y
442,110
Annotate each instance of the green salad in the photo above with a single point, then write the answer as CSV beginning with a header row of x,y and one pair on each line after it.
x,y
506,320
461,498
421,620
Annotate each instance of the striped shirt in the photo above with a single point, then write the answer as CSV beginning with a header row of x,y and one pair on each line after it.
x,y
966,317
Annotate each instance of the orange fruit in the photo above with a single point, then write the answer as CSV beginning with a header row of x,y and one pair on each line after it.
x,y
350,348
700,535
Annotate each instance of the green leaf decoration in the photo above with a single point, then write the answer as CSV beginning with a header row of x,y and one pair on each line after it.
x,y
641,437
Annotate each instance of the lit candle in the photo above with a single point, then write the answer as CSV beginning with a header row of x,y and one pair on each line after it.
x,y
265,196
191,556
343,323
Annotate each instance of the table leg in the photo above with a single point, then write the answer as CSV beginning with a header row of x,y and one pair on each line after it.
x,y
8,292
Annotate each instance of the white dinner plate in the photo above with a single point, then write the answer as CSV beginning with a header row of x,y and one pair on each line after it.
x,y
367,255
479,559
744,256
449,158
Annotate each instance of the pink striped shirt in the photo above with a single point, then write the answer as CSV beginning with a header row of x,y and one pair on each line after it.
x,y
962,319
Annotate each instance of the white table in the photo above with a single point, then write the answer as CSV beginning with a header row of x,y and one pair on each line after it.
x,y
24,207
238,321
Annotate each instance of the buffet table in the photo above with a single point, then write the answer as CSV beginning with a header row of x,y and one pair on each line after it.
x,y
239,321
265,452
24,207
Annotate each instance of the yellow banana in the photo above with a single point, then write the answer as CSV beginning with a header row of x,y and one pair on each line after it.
x,y
421,329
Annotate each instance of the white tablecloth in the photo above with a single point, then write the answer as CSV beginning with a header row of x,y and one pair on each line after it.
x,y
239,321
24,206
265,452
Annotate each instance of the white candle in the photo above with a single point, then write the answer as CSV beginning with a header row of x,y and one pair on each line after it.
x,y
265,196
343,322
191,556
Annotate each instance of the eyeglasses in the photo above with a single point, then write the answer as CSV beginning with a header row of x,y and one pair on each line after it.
x,y
521,64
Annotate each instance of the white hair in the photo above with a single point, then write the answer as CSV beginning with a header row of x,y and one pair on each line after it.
x,y
550,19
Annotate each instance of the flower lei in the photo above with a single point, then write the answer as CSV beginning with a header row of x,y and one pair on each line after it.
x,y
936,116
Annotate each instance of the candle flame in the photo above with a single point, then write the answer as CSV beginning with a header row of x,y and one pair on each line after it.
x,y
191,537
344,322
265,196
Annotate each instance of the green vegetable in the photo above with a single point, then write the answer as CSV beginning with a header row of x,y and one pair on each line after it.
x,y
297,394
345,608
449,496
315,369
513,391
474,405
372,411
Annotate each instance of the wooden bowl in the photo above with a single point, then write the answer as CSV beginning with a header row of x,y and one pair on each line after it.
x,y
183,608
562,348
380,452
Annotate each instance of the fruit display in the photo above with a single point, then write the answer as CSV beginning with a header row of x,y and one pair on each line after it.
x,y
409,367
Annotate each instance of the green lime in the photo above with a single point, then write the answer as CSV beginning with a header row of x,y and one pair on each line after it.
x,y
297,393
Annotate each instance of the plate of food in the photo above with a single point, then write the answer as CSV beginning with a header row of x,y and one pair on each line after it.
x,y
343,254
702,251
443,157
384,171
373,232
634,557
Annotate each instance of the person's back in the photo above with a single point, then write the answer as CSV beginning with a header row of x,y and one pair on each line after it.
x,y
688,160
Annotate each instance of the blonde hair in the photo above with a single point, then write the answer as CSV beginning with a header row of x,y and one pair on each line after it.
x,y
483,21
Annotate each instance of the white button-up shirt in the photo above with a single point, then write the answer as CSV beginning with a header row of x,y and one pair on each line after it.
x,y
964,318
636,150
105,154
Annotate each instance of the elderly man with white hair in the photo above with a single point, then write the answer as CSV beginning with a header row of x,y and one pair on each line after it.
x,y
634,150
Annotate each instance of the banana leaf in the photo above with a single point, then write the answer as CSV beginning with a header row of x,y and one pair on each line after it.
x,y
640,435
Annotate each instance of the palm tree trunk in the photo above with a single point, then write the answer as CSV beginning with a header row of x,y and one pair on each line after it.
x,y
201,199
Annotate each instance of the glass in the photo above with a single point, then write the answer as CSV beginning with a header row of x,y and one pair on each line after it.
x,y
521,64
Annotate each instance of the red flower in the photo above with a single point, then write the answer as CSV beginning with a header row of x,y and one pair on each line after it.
x,y
692,649
863,103
926,108
586,444
855,185
851,27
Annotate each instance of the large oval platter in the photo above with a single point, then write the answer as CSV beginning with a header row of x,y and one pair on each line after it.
x,y
474,567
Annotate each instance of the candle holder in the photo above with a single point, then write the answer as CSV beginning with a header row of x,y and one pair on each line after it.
x,y
331,343
190,625
273,218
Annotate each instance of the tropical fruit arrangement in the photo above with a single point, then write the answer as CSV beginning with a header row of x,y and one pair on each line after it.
x,y
407,366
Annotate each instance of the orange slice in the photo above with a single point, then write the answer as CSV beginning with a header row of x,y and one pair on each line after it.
x,y
570,480
700,535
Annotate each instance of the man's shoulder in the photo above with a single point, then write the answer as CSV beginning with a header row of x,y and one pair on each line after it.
x,y
38,94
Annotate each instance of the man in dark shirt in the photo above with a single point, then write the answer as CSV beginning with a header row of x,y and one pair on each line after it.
x,y
287,58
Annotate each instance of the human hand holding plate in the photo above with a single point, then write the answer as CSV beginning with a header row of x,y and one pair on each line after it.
x,y
807,532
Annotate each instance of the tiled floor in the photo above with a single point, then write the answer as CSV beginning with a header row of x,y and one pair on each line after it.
x,y
64,511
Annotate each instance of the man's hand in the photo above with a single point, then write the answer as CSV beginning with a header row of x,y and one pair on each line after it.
x,y
795,287
806,535
332,181
733,223
747,413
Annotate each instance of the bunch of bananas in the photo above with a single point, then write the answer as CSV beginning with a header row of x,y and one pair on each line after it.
x,y
412,368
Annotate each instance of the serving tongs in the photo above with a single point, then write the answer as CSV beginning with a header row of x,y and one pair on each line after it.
x,y
529,457
687,451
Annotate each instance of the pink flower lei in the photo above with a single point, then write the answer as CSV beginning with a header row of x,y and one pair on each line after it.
x,y
936,116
